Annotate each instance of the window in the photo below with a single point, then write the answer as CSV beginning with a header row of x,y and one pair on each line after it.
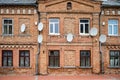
x,y
84,27
24,58
54,26
7,26
54,58
85,58
113,27
114,58
69,5
7,58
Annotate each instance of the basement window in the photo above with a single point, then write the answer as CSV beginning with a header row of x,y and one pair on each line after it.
x,y
69,6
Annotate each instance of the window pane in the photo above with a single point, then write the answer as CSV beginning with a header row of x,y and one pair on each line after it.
x,y
51,60
26,53
9,61
6,22
56,61
10,21
27,61
84,21
82,61
56,28
115,29
21,61
86,28
51,28
10,29
112,61
5,61
110,29
81,28
87,61
54,20
113,22
5,29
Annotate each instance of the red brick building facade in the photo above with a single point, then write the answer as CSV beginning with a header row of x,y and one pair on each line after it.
x,y
67,46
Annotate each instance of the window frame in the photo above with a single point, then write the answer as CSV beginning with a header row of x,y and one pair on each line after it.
x,y
24,57
53,23
85,57
8,25
7,56
113,25
84,33
58,57
114,66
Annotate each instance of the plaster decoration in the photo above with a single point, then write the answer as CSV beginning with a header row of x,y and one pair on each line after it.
x,y
113,12
35,11
23,11
119,12
2,11
13,11
18,11
107,12
7,11
29,11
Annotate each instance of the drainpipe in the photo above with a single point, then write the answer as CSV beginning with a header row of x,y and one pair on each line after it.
x,y
100,45
38,52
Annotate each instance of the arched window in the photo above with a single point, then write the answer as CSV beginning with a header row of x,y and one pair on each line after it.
x,y
69,5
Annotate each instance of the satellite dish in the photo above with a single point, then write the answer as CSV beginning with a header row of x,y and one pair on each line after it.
x,y
23,27
69,37
40,26
40,38
93,31
102,38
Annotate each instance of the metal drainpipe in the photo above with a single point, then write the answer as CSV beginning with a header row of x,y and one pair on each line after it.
x,y
38,53
100,46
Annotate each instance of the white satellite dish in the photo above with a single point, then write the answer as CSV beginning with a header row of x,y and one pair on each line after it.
x,y
40,26
93,31
69,37
40,38
23,27
102,38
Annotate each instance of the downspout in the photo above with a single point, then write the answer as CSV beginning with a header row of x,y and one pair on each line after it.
x,y
38,52
100,46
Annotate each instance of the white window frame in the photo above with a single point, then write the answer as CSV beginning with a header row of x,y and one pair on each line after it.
x,y
7,26
112,28
53,23
84,34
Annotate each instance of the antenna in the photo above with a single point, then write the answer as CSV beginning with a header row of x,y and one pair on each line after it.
x,y
69,37
40,38
102,38
40,26
93,31
23,27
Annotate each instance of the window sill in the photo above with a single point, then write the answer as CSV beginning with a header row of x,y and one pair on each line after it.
x,y
7,67
85,67
24,67
54,34
54,67
84,34
69,67
7,35
111,67
24,35
112,35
